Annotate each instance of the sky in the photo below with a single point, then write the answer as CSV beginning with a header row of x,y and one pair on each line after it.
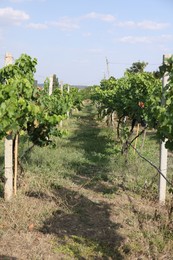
x,y
83,41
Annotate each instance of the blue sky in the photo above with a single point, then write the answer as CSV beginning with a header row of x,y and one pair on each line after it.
x,y
73,38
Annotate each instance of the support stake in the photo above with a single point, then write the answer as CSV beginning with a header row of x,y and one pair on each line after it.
x,y
163,150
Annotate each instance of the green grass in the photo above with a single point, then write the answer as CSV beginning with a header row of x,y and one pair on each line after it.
x,y
89,151
86,200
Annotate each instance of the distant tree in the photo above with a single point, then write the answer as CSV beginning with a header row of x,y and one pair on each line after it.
x,y
137,67
55,82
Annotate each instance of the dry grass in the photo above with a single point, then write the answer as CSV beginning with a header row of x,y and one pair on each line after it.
x,y
79,200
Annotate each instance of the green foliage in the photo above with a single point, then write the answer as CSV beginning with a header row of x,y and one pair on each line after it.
x,y
75,98
85,93
129,96
25,108
135,93
164,111
17,95
137,67
138,96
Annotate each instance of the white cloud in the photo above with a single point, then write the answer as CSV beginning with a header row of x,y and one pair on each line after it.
x,y
69,24
150,25
13,17
146,25
135,39
65,24
146,39
37,26
102,17
127,24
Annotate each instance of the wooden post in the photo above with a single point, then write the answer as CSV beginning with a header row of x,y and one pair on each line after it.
x,y
143,140
137,132
163,150
8,160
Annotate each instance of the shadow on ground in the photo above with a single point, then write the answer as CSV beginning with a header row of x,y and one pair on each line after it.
x,y
86,222
81,222
97,147
4,257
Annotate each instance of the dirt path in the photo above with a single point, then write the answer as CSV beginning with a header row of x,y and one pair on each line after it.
x,y
86,212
